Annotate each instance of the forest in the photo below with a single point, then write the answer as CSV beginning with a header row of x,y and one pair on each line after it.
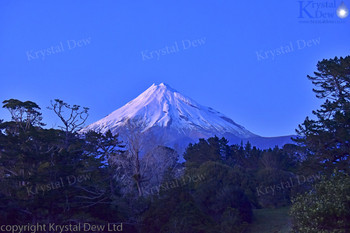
x,y
62,176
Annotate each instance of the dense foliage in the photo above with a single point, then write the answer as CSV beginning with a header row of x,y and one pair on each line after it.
x,y
325,208
62,176
327,138
55,175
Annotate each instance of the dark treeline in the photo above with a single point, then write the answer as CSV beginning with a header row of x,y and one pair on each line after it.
x,y
65,177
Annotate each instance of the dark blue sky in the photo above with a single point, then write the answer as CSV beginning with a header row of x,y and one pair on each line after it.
x,y
246,59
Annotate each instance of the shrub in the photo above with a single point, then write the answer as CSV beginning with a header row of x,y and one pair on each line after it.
x,y
326,208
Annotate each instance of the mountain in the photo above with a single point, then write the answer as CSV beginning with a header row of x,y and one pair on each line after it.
x,y
177,120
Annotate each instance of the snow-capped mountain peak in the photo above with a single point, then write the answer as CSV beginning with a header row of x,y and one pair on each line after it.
x,y
161,106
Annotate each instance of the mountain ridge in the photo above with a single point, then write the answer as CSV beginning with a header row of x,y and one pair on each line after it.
x,y
175,118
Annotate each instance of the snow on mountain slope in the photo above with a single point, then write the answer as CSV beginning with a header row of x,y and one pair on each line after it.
x,y
163,108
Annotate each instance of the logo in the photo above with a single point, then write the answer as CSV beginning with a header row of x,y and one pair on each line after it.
x,y
322,11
